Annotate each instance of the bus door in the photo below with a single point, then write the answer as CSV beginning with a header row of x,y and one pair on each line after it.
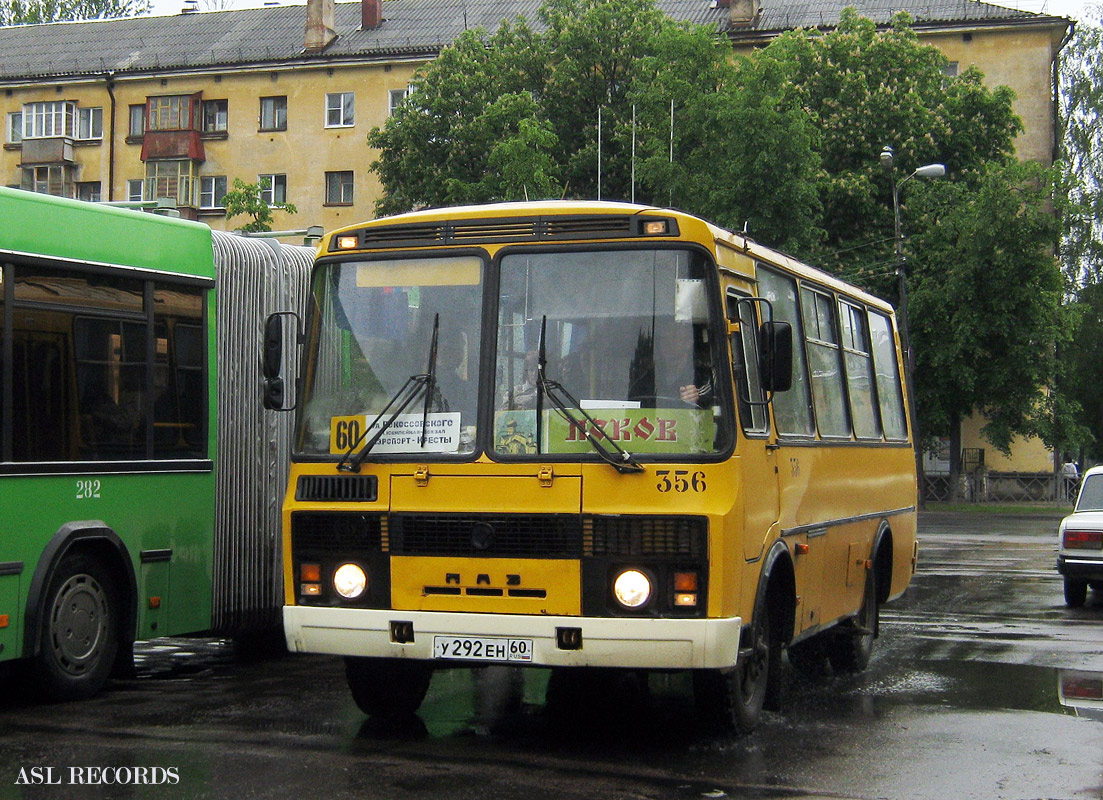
x,y
757,448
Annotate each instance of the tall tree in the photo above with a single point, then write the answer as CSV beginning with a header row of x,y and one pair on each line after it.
x,y
1081,97
32,12
986,301
527,105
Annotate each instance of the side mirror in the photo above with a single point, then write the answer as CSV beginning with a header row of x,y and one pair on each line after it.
x,y
273,346
775,347
276,341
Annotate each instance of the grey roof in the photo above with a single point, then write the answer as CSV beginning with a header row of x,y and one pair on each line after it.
x,y
411,27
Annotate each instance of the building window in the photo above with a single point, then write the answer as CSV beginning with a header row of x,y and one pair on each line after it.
x,y
172,113
340,110
175,180
339,188
88,191
395,98
15,127
134,190
273,113
56,180
950,69
273,189
215,114
48,120
137,121
212,188
89,124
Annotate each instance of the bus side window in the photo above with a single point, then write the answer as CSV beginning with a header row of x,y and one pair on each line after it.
x,y
745,365
859,371
792,409
824,361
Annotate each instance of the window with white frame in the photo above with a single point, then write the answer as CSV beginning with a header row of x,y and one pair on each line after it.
x,y
15,127
215,115
339,188
137,121
134,188
48,120
89,124
395,98
212,188
273,188
273,113
340,110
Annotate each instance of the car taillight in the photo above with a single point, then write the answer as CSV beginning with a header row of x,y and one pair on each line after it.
x,y
1082,687
1084,540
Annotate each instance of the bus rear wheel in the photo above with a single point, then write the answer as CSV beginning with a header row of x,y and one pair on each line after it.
x,y
731,701
79,633
850,649
388,687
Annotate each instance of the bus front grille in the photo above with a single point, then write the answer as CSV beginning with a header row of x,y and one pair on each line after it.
x,y
516,536
675,536
315,532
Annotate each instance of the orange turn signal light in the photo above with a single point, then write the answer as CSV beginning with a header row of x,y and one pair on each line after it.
x,y
310,573
685,581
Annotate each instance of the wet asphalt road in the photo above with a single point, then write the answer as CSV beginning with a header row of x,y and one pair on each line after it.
x,y
961,700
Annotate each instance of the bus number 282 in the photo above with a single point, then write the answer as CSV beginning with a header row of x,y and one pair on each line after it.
x,y
87,490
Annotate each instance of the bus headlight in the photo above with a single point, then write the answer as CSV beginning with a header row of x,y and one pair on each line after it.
x,y
350,581
632,588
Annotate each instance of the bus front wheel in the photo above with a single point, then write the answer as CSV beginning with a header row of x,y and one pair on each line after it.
x,y
387,686
79,635
732,700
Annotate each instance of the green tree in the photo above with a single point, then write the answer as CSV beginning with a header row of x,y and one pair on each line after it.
x,y
987,318
31,12
985,307
247,198
516,115
1081,97
865,89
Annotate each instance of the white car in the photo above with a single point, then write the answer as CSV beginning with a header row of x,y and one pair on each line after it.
x,y
1080,545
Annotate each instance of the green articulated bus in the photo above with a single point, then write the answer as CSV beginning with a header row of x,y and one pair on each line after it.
x,y
140,478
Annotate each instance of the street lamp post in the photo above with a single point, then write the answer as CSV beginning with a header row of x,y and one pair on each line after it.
x,y
926,171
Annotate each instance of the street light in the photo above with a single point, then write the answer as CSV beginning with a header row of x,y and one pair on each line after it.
x,y
926,171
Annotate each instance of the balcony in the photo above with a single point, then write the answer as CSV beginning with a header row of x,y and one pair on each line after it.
x,y
49,151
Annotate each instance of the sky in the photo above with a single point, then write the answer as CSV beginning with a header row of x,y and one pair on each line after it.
x,y
1075,9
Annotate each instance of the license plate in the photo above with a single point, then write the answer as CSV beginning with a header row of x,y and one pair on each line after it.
x,y
482,648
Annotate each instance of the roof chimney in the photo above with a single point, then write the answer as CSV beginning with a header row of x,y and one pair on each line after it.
x,y
319,24
372,13
744,13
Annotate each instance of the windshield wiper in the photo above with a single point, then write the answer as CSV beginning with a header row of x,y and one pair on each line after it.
x,y
403,398
564,402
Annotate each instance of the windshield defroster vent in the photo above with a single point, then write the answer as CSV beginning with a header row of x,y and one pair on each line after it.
x,y
337,488
504,229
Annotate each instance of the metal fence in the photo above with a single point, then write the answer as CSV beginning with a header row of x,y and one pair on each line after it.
x,y
989,486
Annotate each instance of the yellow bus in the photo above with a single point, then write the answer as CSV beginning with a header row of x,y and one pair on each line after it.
x,y
589,435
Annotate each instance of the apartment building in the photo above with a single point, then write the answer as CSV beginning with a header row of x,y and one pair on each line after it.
x,y
177,107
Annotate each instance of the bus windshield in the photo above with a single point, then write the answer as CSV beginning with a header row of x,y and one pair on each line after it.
x,y
627,333
374,325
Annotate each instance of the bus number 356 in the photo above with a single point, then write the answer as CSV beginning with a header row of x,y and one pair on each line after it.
x,y
681,482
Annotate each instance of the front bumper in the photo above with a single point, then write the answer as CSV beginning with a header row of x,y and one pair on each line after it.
x,y
606,642
1089,568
